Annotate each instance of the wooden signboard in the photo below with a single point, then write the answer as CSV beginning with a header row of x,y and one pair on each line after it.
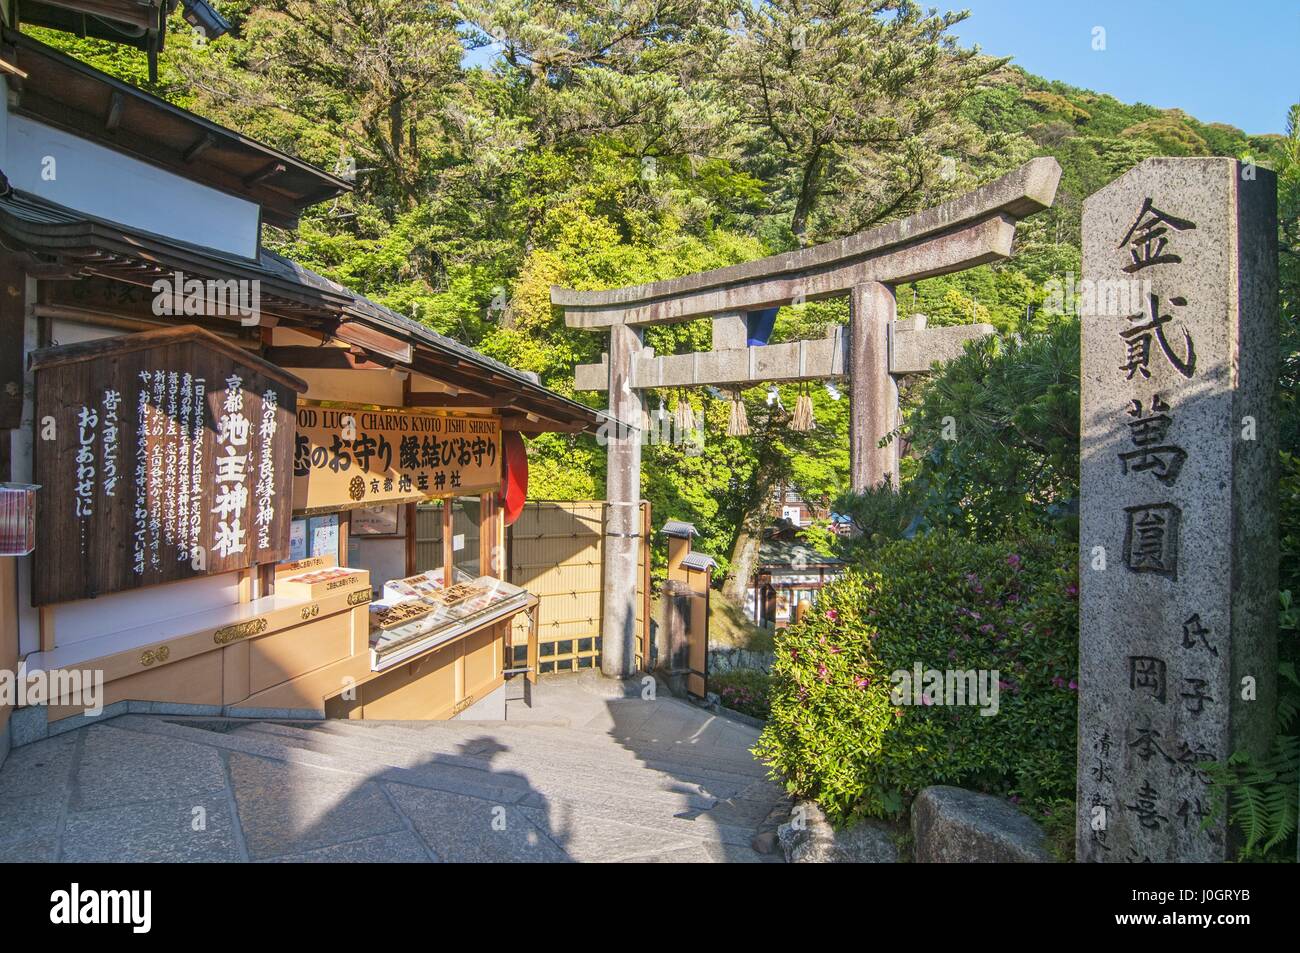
x,y
162,455
349,456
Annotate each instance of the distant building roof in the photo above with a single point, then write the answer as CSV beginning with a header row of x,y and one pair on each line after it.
x,y
699,562
775,553
679,529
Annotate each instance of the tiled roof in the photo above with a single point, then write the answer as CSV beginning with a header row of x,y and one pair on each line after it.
x,y
775,552
699,562
679,528
34,222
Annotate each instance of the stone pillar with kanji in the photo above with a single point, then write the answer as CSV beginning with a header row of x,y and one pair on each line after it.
x,y
1178,513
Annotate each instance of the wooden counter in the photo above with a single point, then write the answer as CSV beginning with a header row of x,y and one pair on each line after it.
x,y
441,676
306,648
224,656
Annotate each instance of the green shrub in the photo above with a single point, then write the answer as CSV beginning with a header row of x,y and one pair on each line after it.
x,y
744,690
948,603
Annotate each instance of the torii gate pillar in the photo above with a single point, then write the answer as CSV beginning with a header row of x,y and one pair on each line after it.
x,y
873,392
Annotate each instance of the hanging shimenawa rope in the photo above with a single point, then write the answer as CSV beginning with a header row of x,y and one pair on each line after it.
x,y
685,415
738,421
803,411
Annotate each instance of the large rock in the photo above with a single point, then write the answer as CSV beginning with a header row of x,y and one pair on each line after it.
x,y
953,825
809,838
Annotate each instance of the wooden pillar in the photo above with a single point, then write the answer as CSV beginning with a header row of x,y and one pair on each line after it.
x,y
412,520
622,510
873,410
447,533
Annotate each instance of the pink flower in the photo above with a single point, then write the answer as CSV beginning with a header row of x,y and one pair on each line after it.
x,y
1014,561
835,650
1074,686
832,614
862,682
1071,590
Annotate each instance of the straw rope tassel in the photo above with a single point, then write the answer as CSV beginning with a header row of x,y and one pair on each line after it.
x,y
738,422
803,412
685,415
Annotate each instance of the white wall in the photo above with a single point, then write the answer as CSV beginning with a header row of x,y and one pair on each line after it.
x,y
91,178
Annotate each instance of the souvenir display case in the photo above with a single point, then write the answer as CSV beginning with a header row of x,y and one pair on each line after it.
x,y
419,613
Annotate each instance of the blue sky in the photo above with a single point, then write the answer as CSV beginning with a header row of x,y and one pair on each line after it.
x,y
1236,62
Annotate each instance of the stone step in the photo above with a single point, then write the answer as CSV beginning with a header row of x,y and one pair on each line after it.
x,y
471,782
563,746
667,816
703,759
598,783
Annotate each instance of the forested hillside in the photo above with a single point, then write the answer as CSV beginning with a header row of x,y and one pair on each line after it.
x,y
596,147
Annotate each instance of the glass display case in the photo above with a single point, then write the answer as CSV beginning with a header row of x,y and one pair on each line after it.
x,y
420,612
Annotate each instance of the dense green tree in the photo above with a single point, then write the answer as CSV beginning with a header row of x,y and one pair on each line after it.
x,y
502,146
852,101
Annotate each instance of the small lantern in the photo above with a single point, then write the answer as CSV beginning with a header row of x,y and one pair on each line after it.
x,y
17,518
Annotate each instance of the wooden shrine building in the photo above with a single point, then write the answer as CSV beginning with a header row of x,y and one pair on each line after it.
x,y
212,456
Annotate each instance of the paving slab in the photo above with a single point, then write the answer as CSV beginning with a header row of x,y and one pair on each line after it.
x,y
119,767
290,808
170,830
473,830
399,847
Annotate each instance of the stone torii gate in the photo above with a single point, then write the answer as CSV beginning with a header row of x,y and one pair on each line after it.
x,y
973,229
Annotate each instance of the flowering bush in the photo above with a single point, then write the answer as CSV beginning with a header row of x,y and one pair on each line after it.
x,y
743,690
943,603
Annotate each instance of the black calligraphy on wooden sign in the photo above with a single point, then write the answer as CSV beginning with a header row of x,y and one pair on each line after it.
x,y
162,455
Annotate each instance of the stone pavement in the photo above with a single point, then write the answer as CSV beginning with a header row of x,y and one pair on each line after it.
x,y
593,773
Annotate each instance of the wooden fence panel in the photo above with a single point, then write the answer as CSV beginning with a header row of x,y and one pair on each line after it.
x,y
555,551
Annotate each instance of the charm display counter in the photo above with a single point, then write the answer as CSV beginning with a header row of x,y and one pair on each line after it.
x,y
420,613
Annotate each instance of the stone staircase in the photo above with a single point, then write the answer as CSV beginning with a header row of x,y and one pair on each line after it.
x,y
595,773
